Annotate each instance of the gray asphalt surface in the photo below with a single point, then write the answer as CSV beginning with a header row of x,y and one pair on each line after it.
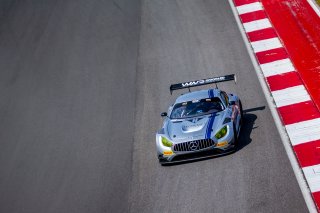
x,y
67,85
82,85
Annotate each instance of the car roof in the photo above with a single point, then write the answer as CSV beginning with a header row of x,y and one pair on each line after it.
x,y
197,95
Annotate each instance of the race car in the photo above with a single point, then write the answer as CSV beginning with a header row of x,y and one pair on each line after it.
x,y
200,124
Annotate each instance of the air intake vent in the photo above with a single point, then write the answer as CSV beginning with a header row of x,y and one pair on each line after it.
x,y
193,145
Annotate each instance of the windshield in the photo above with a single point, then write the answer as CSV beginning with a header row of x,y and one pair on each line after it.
x,y
196,108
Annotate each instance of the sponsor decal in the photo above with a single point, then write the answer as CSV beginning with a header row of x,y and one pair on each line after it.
x,y
204,81
221,144
194,123
167,153
192,126
193,83
195,137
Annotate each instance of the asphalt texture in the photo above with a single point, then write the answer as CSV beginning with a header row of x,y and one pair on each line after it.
x,y
82,86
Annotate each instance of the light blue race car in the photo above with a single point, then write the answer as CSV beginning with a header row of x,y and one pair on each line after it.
x,y
200,124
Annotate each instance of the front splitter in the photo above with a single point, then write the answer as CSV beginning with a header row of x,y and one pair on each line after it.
x,y
189,157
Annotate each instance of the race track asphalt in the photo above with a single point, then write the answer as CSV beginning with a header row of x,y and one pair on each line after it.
x,y
82,86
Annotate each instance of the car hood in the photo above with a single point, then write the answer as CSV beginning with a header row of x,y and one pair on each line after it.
x,y
194,128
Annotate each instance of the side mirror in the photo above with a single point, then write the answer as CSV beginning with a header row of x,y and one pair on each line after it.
x,y
164,114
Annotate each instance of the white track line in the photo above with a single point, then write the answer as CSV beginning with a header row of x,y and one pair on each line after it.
x,y
248,8
257,25
304,131
314,6
283,135
277,67
267,44
312,174
290,95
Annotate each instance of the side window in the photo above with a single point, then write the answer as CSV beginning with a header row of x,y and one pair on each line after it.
x,y
225,98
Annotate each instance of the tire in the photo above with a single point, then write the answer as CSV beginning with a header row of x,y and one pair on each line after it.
x,y
235,137
241,113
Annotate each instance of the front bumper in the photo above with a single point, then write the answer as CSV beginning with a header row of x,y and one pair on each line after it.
x,y
223,146
191,156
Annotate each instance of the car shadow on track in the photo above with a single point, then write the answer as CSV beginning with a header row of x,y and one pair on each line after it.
x,y
244,137
247,127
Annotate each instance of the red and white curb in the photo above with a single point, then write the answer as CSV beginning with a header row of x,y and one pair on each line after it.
x,y
299,116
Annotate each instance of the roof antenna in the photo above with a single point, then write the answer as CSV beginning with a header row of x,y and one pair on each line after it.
x,y
189,89
216,86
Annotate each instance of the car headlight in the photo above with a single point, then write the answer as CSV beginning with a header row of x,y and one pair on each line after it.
x,y
166,142
222,132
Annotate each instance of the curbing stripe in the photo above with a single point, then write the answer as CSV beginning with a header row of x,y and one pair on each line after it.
x,y
262,34
272,55
308,153
257,25
267,44
283,81
256,15
290,95
277,67
242,2
248,8
307,111
312,174
304,132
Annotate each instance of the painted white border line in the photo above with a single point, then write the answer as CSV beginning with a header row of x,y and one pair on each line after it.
x,y
277,67
283,135
266,44
312,174
248,8
257,25
314,6
290,95
304,132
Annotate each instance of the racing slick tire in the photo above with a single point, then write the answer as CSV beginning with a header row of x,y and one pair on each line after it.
x,y
241,113
235,137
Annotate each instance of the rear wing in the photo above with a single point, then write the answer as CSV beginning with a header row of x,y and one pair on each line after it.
x,y
201,82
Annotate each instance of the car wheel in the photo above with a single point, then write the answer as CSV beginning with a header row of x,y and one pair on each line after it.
x,y
241,113
235,137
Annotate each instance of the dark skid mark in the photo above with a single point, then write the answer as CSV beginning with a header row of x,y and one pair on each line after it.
x,y
117,6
